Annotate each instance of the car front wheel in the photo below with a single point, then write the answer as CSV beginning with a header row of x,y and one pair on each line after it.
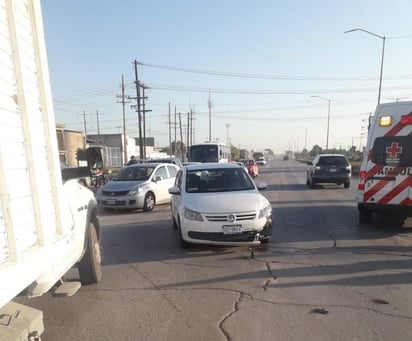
x,y
183,243
149,202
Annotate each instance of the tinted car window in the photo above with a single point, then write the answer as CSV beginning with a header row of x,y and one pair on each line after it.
x,y
392,150
332,160
134,173
218,180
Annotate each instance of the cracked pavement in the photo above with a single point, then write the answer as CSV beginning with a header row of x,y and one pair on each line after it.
x,y
322,277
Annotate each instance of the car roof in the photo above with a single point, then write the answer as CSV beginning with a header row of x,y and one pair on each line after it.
x,y
211,165
150,164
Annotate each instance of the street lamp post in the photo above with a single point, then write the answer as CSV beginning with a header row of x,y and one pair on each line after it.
x,y
327,129
383,54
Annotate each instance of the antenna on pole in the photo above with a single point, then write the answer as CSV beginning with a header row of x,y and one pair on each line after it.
x,y
209,104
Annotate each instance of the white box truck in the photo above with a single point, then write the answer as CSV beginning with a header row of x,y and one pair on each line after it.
x,y
47,225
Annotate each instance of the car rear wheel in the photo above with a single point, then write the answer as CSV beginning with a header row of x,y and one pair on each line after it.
x,y
346,184
149,202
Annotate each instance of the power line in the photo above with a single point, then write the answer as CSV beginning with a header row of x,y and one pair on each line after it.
x,y
265,76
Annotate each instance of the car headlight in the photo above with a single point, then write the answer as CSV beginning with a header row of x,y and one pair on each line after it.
x,y
265,212
192,215
135,190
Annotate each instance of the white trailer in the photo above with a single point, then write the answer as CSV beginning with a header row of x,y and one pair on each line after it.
x,y
47,226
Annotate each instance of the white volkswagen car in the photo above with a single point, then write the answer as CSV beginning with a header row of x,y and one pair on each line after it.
x,y
138,186
218,203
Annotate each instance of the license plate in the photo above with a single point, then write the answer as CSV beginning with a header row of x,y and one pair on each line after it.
x,y
232,229
332,170
111,202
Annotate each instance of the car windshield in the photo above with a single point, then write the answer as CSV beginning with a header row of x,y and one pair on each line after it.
x,y
134,173
218,180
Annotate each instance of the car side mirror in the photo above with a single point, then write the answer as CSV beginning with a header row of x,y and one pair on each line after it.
x,y
174,190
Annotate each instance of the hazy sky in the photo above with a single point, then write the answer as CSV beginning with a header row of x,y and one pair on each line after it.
x,y
261,61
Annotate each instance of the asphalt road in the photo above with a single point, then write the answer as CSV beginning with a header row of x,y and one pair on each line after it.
x,y
322,277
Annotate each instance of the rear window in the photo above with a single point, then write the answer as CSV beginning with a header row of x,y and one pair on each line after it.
x,y
392,151
332,160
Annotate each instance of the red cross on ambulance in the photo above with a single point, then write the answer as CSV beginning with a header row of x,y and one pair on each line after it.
x,y
394,150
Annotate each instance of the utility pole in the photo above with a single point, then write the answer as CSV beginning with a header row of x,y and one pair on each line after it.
x,y
85,129
144,87
98,126
209,104
181,134
170,132
123,101
175,126
139,115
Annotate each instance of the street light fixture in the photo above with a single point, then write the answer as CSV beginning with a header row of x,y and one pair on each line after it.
x,y
327,129
383,53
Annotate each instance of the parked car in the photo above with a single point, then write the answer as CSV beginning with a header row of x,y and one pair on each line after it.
x,y
218,203
139,186
252,168
329,168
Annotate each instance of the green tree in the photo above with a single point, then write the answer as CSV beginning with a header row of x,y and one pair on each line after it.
x,y
235,153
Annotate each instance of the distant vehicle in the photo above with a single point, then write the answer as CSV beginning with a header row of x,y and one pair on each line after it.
x,y
209,152
285,158
257,155
385,175
252,167
261,161
138,186
218,203
329,168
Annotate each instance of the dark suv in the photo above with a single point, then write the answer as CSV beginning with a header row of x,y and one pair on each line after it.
x,y
329,168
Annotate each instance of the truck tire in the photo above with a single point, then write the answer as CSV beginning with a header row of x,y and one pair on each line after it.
x,y
90,267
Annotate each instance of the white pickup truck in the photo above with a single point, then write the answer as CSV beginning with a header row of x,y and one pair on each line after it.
x,y
47,225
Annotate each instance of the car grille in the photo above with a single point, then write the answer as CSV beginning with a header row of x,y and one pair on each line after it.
x,y
225,217
115,194
248,236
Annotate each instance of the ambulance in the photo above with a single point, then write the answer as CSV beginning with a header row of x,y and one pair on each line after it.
x,y
385,177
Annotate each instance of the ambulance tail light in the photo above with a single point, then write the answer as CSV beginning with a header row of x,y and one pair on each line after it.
x,y
362,179
406,119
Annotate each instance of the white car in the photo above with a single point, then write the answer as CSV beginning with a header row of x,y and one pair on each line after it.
x,y
219,203
138,186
